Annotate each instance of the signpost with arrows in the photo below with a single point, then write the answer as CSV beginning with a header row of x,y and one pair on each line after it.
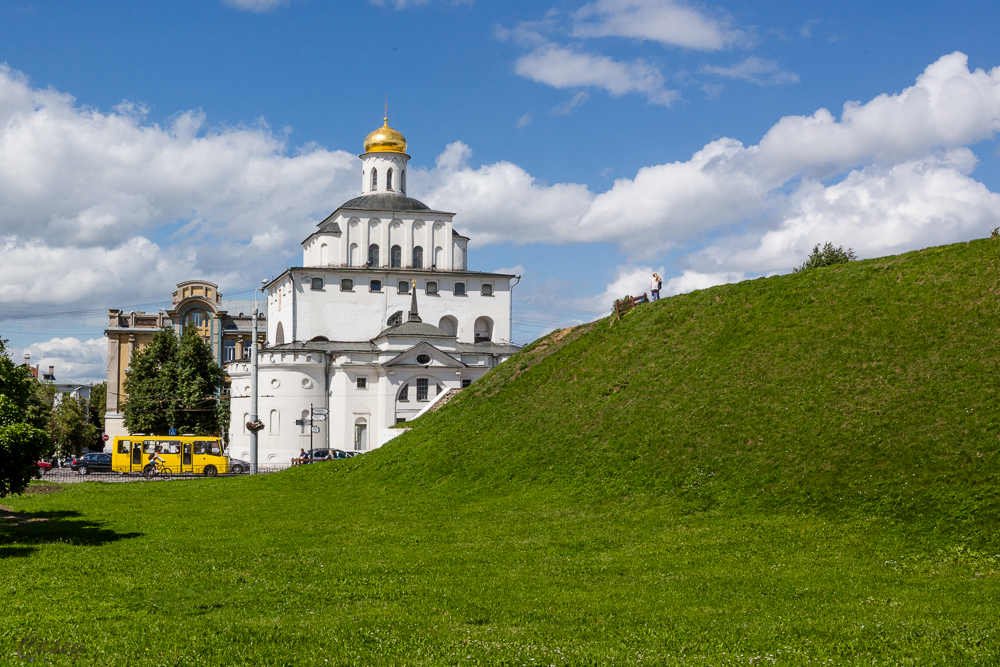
x,y
315,415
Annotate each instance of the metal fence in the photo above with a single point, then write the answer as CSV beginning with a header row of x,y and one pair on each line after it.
x,y
65,475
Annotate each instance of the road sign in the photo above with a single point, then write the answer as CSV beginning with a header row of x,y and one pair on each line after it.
x,y
320,411
315,429
301,422
172,431
319,418
105,437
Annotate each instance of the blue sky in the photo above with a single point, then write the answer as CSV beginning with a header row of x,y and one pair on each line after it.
x,y
584,144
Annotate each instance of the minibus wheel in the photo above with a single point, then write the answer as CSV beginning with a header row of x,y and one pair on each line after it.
x,y
210,471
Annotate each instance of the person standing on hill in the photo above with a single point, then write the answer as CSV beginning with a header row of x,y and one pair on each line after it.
x,y
654,286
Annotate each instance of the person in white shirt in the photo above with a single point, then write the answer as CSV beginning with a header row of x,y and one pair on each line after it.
x,y
654,286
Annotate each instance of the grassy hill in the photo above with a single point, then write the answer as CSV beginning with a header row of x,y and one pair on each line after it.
x,y
797,470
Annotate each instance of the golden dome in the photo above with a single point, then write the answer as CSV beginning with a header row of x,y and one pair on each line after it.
x,y
385,140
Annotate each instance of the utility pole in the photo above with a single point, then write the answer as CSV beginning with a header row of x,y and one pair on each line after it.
x,y
253,384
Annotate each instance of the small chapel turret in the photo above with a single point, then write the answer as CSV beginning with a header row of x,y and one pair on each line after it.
x,y
383,164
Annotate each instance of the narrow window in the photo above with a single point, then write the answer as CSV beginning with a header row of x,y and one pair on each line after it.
x,y
439,390
487,289
418,257
373,255
460,289
317,283
362,382
404,393
374,179
229,350
402,181
388,179
375,286
432,287
422,389
400,420
346,285
396,319
395,257
404,286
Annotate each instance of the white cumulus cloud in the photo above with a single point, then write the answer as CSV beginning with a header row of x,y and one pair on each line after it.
x,y
754,70
564,67
256,6
665,21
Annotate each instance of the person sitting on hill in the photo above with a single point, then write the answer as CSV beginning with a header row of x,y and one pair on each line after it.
x,y
302,457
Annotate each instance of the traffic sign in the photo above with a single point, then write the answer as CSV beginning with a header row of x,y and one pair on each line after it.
x,y
320,411
315,429
301,422
172,431
105,437
319,418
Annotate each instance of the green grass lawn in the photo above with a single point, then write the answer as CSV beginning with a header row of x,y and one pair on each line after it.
x,y
337,571
797,471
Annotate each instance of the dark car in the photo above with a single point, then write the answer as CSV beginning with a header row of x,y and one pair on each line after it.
x,y
238,467
92,463
324,455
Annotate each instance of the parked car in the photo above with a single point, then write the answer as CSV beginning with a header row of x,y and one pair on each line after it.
x,y
44,466
325,455
238,467
92,463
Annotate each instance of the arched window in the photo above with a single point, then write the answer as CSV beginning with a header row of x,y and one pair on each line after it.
x,y
275,423
449,325
388,179
418,257
402,181
484,330
279,335
302,427
395,319
324,254
373,255
438,258
354,255
361,435
374,179
404,393
395,257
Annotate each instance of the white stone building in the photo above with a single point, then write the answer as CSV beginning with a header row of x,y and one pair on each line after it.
x,y
383,316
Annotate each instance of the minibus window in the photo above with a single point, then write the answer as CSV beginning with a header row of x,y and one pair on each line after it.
x,y
199,447
123,446
216,451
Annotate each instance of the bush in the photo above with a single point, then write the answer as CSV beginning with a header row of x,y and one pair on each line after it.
x,y
827,256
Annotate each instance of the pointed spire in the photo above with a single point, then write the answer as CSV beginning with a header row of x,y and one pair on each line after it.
x,y
414,316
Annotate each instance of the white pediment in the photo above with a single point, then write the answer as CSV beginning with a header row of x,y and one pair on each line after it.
x,y
414,357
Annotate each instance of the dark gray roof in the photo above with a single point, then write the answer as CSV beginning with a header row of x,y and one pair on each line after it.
x,y
414,330
324,346
237,307
486,348
385,202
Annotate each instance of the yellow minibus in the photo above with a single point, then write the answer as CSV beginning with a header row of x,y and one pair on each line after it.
x,y
181,454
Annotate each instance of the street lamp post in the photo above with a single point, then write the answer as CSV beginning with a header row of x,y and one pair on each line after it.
x,y
253,383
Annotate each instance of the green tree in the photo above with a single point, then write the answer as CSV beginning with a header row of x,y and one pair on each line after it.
x,y
151,386
827,256
173,385
41,404
69,429
21,444
199,380
97,405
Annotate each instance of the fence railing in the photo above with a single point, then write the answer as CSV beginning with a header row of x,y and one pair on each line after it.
x,y
69,475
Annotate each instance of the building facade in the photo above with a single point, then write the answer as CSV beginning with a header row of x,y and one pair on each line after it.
x,y
383,316
226,325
